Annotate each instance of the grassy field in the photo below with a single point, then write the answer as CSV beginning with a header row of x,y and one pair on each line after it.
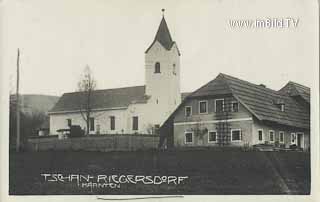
x,y
210,172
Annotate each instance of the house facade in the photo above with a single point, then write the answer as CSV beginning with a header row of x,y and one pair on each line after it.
x,y
137,109
228,111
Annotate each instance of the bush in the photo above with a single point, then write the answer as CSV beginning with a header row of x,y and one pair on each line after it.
x,y
246,147
293,146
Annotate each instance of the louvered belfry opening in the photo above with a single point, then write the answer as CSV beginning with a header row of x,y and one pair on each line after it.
x,y
223,126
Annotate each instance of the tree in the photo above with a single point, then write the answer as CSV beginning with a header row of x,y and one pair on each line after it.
x,y
86,86
30,123
199,130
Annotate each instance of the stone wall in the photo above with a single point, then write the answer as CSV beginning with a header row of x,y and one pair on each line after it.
x,y
123,142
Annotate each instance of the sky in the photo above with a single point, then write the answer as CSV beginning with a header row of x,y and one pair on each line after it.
x,y
59,38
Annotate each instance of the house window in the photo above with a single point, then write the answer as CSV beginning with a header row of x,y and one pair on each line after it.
x,y
135,123
282,107
157,67
293,138
188,111
188,137
271,136
174,69
236,135
91,124
212,136
260,134
112,123
69,122
219,105
235,106
203,107
281,134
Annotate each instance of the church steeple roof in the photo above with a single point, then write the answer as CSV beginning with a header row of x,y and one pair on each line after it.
x,y
163,36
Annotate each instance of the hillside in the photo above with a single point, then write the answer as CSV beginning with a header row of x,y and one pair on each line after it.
x,y
37,103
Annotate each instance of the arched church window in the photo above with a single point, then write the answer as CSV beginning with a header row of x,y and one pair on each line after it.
x,y
157,67
174,69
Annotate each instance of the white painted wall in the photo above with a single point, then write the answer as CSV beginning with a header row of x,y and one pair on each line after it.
x,y
143,111
148,116
164,86
102,118
123,120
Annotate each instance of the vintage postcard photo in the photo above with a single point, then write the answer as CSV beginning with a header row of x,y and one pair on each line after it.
x,y
129,100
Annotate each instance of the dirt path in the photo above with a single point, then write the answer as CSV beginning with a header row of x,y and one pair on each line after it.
x,y
269,157
287,179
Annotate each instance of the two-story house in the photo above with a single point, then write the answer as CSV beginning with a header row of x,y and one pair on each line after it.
x,y
231,112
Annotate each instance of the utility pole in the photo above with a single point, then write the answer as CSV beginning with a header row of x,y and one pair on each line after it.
x,y
18,104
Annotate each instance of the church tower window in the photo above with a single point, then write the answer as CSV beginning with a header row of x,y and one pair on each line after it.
x,y
157,67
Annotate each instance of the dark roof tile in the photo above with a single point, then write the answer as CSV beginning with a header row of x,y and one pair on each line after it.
x,y
101,99
295,89
259,100
163,36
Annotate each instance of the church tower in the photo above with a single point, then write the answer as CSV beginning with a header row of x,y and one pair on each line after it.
x,y
162,73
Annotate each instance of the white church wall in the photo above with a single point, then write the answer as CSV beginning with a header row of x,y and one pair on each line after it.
x,y
164,87
101,121
145,118
148,116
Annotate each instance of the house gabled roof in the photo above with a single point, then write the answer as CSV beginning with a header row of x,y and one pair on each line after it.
x,y
184,95
296,90
163,36
218,86
259,100
101,99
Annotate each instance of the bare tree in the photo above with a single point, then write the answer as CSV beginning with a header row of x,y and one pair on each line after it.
x,y
86,86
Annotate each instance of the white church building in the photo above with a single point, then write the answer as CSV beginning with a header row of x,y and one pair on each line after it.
x,y
136,109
